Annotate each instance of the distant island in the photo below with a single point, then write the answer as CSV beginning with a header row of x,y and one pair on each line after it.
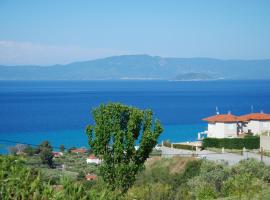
x,y
193,76
143,67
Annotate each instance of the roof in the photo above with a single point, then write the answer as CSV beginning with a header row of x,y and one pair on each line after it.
x,y
222,118
90,177
255,116
92,156
55,153
81,150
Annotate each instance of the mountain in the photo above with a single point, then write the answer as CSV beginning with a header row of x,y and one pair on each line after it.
x,y
140,67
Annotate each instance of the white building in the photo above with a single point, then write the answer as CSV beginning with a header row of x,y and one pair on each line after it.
x,y
221,126
93,160
228,125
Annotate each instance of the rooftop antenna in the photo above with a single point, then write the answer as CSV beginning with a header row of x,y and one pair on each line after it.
x,y
217,112
252,109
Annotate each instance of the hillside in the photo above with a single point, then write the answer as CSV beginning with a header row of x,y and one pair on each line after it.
x,y
140,67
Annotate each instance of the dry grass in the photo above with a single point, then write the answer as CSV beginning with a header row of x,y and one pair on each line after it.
x,y
174,165
179,163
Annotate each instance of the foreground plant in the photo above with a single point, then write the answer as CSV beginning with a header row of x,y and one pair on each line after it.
x,y
117,129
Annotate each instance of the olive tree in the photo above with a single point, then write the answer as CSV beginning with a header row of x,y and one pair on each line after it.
x,y
45,153
117,130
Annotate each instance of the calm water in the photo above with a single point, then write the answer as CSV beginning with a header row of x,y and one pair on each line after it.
x,y
59,111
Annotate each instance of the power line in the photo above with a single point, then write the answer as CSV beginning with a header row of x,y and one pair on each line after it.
x,y
16,142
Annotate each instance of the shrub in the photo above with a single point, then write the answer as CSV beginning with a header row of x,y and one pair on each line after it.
x,y
184,146
156,191
62,148
21,182
30,151
249,142
167,143
46,157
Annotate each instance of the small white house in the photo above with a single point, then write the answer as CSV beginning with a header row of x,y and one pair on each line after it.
x,y
57,154
222,125
93,160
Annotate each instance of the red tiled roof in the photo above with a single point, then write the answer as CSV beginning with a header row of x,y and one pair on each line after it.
x,y
92,156
255,116
78,150
56,153
222,118
91,177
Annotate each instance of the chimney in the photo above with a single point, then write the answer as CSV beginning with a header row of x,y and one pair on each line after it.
x,y
261,111
217,112
229,112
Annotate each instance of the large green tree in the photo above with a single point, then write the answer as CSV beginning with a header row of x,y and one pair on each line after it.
x,y
117,129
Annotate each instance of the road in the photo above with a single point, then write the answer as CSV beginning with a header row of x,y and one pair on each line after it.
x,y
230,158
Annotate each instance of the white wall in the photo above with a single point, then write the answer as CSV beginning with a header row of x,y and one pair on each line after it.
x,y
257,127
230,129
221,130
94,161
265,125
265,142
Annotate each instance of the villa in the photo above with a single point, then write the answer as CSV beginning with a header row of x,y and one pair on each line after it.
x,y
93,160
228,125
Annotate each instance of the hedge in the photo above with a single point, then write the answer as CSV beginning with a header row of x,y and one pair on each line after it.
x,y
184,146
249,142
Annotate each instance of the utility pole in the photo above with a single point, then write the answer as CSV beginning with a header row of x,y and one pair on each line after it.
x,y
261,154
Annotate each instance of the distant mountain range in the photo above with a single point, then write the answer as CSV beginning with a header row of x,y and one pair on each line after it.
x,y
143,67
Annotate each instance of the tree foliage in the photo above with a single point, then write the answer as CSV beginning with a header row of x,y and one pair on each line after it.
x,y
113,138
46,154
29,150
62,148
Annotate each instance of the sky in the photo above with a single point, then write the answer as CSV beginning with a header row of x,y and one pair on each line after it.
x,y
63,31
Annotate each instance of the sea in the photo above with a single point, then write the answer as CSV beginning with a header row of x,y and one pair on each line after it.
x,y
59,111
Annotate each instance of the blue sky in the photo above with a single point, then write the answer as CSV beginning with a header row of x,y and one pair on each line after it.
x,y
62,31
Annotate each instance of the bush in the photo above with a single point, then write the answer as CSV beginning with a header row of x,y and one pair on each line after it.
x,y
167,143
30,151
184,146
46,157
249,142
20,182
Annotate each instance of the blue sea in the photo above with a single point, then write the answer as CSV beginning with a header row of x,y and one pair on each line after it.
x,y
59,111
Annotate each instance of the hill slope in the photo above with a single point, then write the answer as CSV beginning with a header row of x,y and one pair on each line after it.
x,y
140,67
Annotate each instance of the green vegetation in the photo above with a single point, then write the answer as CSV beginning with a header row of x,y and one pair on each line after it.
x,y
113,138
126,173
184,146
46,157
162,179
248,142
62,148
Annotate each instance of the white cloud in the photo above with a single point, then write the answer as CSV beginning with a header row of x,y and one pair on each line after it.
x,y
21,53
